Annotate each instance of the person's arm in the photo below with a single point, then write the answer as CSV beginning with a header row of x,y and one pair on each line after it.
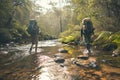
x,y
81,32
37,29
93,31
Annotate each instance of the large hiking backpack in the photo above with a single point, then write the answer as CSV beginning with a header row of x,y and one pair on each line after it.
x,y
32,28
88,29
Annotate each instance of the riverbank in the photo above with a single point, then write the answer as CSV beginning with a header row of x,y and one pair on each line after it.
x,y
17,64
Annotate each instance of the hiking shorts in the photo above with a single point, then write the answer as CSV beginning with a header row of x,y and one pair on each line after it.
x,y
87,39
34,39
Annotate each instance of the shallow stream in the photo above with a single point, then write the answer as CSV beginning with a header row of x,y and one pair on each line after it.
x,y
17,64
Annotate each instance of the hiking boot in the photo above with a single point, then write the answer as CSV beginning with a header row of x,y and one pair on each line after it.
x,y
89,52
30,50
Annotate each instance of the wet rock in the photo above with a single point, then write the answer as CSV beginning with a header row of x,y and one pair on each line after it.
x,y
116,53
59,60
93,64
109,46
85,57
85,63
7,45
104,60
62,50
3,52
81,65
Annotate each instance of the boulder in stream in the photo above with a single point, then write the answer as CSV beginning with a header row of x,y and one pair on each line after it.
x,y
59,60
116,53
62,50
85,57
91,62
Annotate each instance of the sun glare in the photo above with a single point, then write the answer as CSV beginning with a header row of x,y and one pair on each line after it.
x,y
46,3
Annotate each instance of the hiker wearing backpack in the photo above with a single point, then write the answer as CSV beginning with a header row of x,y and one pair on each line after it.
x,y
33,30
87,31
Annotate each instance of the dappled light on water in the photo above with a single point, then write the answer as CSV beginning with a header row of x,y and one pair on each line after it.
x,y
16,63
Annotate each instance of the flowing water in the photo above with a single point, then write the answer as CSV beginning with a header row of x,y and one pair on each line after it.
x,y
17,64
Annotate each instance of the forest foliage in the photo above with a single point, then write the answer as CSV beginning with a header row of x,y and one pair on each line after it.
x,y
14,14
103,13
63,22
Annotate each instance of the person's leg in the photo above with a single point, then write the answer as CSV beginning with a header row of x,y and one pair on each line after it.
x,y
88,48
36,44
88,43
36,47
31,48
32,43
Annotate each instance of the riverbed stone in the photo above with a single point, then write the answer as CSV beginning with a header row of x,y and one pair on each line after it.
x,y
116,53
62,50
109,46
59,60
3,52
91,62
85,57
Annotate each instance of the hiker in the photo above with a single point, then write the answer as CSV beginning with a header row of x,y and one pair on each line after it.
x,y
87,31
33,30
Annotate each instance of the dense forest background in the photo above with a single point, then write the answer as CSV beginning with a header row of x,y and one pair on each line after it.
x,y
64,21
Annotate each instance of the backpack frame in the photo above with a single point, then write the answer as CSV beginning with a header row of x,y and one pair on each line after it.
x,y
32,28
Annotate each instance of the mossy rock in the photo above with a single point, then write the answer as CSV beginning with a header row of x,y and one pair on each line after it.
x,y
69,39
115,37
5,35
109,46
102,38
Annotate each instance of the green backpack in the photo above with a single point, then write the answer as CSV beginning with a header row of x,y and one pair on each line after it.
x,y
32,28
88,26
